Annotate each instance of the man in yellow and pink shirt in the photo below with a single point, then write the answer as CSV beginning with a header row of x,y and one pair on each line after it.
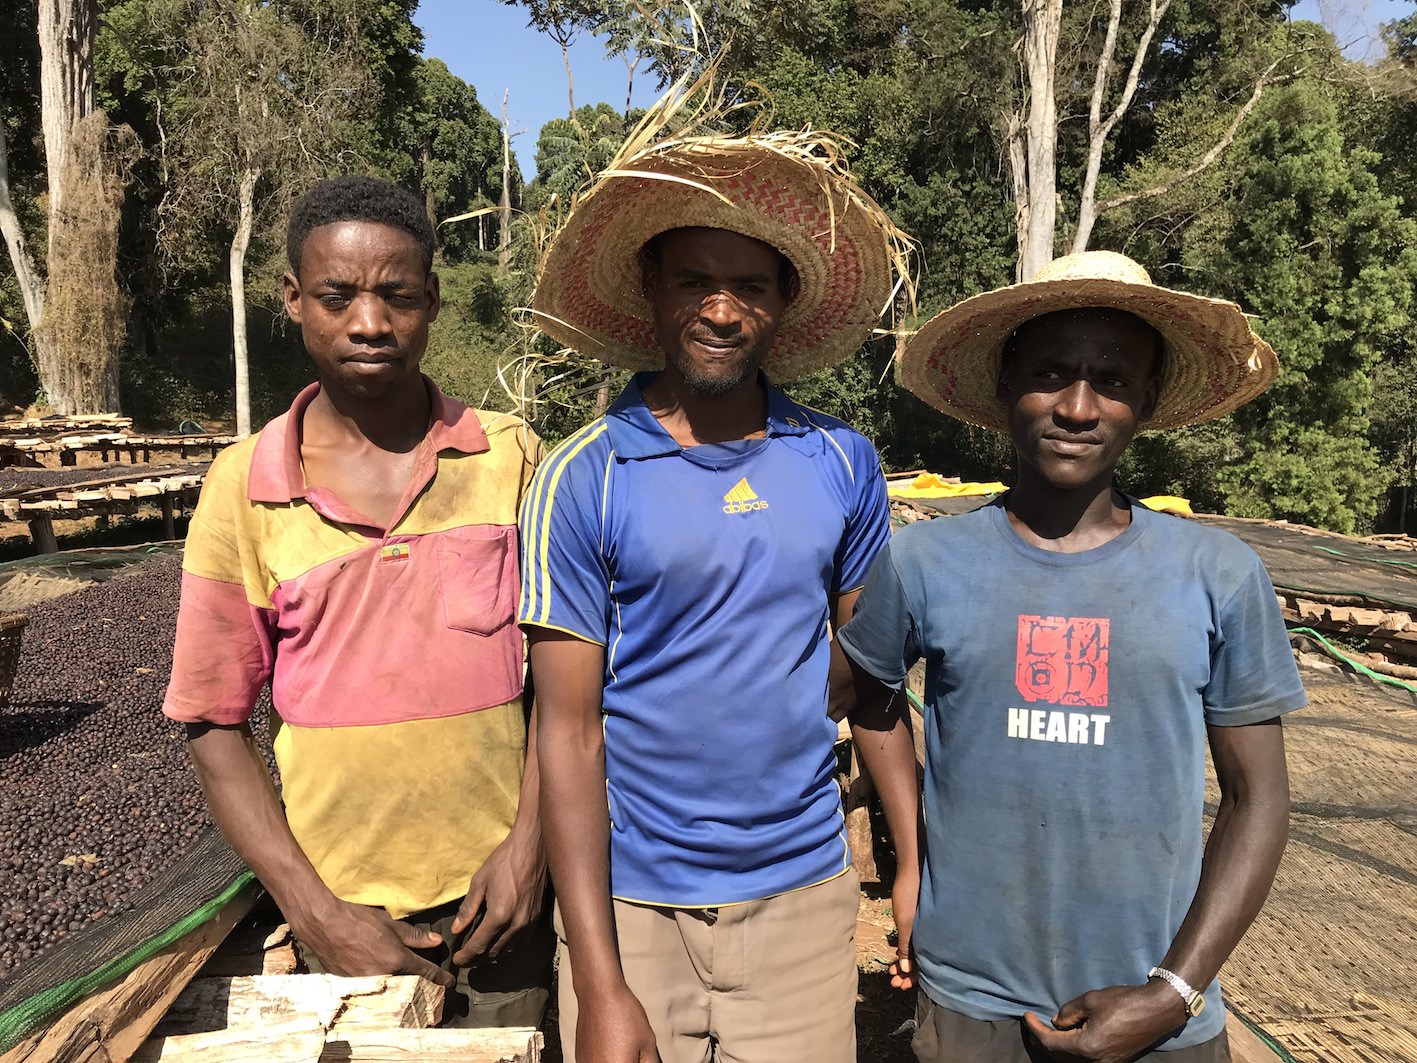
x,y
360,555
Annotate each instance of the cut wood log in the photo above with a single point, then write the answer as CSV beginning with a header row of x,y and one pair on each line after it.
x,y
295,1043
326,1000
109,1026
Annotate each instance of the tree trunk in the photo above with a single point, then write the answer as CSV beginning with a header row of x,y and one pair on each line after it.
x,y
1041,21
570,81
239,243
66,36
430,201
31,283
504,240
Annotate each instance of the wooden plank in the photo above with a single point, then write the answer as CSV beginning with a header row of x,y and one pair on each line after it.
x,y
258,1001
42,532
506,1045
858,820
295,1043
1245,1047
110,1025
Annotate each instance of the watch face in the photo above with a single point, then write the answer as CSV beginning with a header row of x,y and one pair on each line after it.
x,y
1197,1005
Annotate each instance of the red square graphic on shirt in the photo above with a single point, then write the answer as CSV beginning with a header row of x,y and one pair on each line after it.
x,y
1062,659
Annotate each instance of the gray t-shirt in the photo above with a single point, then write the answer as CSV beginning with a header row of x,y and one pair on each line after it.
x,y
1067,698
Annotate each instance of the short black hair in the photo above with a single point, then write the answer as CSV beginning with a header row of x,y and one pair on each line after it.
x,y
353,197
1158,348
789,282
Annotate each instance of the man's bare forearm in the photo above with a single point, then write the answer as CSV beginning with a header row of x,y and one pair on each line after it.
x,y
1243,852
528,821
889,758
243,804
575,819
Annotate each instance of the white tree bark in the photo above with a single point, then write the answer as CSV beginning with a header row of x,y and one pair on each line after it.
x,y
31,283
1098,128
239,243
1206,160
1041,22
1016,156
66,80
504,241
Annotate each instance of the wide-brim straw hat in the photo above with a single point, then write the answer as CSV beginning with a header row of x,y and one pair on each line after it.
x,y
1214,362
790,191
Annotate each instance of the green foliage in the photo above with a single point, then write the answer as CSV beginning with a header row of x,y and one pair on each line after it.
x,y
1327,263
471,336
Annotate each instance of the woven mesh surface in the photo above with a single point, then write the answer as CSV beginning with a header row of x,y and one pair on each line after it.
x,y
204,873
1328,968
1305,560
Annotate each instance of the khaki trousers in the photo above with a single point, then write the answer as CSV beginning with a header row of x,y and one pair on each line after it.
x,y
769,981
945,1036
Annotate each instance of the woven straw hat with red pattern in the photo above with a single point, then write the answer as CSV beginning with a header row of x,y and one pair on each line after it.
x,y
792,191
1214,362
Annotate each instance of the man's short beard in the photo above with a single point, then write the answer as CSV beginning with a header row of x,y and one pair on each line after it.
x,y
714,386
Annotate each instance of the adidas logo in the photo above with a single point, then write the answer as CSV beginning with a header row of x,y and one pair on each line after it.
x,y
742,499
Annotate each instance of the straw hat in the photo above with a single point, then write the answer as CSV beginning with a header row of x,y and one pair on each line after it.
x,y
789,190
1214,362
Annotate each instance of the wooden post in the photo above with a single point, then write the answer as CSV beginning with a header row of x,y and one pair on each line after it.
x,y
858,820
169,525
42,533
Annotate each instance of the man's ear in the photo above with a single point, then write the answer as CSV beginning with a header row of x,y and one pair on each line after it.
x,y
1147,410
290,293
649,277
433,294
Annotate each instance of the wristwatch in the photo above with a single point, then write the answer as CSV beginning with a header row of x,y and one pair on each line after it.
x,y
1195,1002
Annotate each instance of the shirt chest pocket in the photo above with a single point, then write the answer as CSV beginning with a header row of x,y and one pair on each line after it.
x,y
477,577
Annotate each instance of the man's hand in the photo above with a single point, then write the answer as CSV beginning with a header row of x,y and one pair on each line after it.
x,y
352,940
612,1028
1112,1025
905,895
507,893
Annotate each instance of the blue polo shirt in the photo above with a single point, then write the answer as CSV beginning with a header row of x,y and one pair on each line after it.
x,y
707,572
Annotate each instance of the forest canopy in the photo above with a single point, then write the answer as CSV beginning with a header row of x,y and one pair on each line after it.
x,y
1231,151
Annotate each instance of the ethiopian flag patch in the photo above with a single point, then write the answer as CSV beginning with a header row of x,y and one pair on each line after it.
x,y
393,552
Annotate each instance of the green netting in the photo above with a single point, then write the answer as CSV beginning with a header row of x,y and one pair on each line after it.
x,y
172,904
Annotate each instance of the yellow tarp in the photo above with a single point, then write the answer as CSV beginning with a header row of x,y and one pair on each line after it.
x,y
1169,504
932,485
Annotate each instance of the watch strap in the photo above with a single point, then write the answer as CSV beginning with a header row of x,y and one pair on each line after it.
x,y
1193,999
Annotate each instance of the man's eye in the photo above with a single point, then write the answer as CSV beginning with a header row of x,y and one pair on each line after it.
x,y
752,289
333,302
404,301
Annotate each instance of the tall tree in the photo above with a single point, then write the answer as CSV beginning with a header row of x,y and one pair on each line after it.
x,y
262,98
74,306
1064,50
1328,262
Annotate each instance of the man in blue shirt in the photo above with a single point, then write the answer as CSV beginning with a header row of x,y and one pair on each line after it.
x,y
685,556
1081,651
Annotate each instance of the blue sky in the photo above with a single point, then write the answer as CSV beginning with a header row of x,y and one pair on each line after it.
x,y
488,45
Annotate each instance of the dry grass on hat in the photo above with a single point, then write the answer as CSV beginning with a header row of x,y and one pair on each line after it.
x,y
1214,362
792,190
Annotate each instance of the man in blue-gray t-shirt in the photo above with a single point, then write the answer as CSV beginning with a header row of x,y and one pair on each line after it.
x,y
1080,652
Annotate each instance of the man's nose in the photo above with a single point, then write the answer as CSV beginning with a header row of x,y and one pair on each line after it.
x,y
721,311
1078,403
368,317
